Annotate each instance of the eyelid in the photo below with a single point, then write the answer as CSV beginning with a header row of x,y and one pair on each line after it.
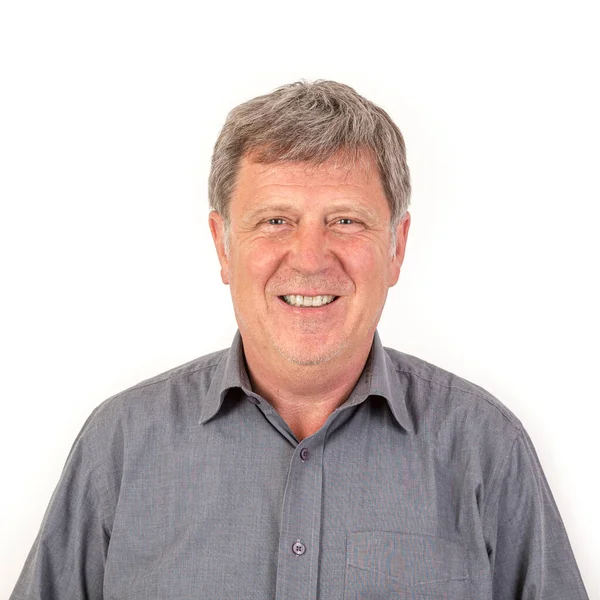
x,y
269,225
353,221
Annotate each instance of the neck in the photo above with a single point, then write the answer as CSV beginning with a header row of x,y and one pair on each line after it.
x,y
305,395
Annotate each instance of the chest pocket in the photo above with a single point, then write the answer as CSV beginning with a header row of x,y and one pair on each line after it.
x,y
384,565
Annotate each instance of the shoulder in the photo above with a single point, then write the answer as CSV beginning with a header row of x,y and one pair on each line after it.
x,y
190,380
433,384
169,401
131,426
457,417
458,414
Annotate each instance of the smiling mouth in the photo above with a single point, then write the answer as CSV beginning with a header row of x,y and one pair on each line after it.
x,y
306,301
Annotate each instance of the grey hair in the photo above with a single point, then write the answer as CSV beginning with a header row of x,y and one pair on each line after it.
x,y
309,122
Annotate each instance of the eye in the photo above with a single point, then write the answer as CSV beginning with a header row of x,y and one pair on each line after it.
x,y
275,221
346,225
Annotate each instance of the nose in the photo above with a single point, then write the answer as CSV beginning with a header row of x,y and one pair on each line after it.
x,y
309,252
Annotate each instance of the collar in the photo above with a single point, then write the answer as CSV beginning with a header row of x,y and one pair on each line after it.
x,y
379,378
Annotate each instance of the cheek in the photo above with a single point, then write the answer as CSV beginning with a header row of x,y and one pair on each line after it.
x,y
252,266
367,266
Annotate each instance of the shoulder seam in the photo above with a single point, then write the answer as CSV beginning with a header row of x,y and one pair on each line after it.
x,y
142,385
498,478
516,426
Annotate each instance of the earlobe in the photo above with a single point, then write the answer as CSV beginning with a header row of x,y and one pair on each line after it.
x,y
217,230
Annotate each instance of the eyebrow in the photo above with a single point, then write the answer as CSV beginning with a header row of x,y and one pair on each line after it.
x,y
269,208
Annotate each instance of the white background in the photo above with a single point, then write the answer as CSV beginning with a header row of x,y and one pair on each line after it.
x,y
108,114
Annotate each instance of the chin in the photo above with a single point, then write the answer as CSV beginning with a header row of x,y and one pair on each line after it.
x,y
308,356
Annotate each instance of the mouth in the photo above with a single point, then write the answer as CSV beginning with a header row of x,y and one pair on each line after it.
x,y
308,301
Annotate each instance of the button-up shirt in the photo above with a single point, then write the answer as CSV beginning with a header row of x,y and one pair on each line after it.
x,y
191,486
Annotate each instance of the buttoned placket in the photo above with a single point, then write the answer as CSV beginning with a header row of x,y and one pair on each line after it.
x,y
301,514
299,538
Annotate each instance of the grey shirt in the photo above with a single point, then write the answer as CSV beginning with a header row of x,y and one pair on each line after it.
x,y
191,486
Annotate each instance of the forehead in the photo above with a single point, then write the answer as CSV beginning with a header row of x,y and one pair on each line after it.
x,y
338,175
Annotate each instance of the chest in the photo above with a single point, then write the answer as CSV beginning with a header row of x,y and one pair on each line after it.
x,y
345,514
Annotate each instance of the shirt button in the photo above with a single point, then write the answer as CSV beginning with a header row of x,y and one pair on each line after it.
x,y
304,454
299,548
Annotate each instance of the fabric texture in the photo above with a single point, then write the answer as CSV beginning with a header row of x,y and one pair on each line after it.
x,y
191,486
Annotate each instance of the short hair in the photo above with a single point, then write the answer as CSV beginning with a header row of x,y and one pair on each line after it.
x,y
309,122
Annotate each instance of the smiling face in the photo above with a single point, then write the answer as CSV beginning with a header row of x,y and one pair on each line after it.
x,y
310,259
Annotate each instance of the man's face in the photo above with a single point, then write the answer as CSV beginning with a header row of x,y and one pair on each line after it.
x,y
310,259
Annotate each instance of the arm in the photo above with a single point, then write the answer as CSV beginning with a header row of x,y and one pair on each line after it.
x,y
530,554
68,556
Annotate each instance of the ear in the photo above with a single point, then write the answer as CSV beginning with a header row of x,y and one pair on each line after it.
x,y
398,256
217,229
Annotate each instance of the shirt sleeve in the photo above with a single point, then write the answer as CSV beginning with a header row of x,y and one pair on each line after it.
x,y
68,556
529,550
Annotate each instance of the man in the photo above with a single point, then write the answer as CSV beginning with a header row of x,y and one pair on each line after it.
x,y
307,461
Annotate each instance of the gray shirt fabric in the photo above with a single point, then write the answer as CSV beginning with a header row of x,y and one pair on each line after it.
x,y
190,486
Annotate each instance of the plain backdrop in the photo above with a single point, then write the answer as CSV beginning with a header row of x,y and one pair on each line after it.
x,y
108,114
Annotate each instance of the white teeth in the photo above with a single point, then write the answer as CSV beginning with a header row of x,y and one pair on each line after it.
x,y
296,300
